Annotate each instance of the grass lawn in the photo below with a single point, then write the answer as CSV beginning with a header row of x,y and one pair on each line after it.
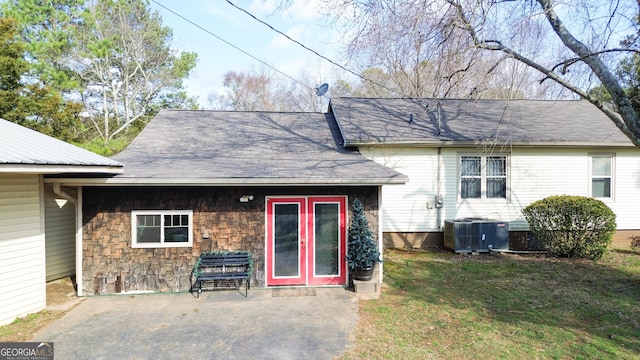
x,y
23,329
442,305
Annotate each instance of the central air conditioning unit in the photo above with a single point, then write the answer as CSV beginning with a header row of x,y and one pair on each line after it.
x,y
469,235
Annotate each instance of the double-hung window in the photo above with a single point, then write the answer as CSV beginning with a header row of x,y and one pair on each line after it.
x,y
602,175
162,228
483,176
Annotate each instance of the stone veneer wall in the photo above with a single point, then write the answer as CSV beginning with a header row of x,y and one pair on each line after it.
x,y
111,265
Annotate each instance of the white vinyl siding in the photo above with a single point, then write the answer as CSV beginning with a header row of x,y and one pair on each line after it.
x,y
60,233
534,173
22,262
405,206
626,186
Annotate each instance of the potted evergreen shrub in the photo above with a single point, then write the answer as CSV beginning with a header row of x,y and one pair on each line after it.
x,y
362,251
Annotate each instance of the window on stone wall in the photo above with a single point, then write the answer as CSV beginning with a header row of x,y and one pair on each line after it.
x,y
162,228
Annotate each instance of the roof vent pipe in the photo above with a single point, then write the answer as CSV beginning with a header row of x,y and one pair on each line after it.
x,y
438,118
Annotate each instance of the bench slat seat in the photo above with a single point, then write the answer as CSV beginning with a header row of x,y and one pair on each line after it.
x,y
214,276
212,267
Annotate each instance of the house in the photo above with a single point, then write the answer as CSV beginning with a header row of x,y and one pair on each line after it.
x,y
278,185
35,241
489,159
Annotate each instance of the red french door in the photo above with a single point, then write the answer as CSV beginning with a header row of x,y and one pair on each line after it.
x,y
286,241
306,240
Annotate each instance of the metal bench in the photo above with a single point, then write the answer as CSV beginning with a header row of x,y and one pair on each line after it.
x,y
211,268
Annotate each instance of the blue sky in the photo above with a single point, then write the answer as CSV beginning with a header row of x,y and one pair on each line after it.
x,y
301,21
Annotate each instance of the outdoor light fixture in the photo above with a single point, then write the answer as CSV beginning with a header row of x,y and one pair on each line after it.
x,y
206,235
246,198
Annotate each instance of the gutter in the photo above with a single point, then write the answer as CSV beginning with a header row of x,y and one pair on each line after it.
x,y
155,181
454,143
60,169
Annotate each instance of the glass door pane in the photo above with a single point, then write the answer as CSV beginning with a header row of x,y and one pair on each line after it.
x,y
306,240
327,219
326,237
286,241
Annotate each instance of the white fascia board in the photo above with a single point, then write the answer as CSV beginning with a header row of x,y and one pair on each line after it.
x,y
474,144
222,182
60,169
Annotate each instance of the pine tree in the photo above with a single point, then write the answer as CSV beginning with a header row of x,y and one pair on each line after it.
x,y
362,250
30,104
12,66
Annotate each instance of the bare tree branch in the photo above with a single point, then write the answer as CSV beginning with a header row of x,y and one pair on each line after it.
x,y
625,119
630,123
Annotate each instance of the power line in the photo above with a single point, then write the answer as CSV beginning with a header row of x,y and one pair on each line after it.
x,y
360,76
294,40
230,44
311,50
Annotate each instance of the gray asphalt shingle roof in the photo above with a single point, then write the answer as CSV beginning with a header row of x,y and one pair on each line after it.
x,y
521,122
248,147
23,147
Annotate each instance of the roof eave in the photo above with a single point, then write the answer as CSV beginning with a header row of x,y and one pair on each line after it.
x,y
60,169
446,143
120,181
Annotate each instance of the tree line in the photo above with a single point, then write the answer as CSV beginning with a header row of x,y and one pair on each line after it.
x,y
88,72
94,72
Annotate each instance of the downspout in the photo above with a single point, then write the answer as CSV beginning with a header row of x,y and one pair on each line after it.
x,y
439,198
78,205
79,286
58,190
380,233
439,119
43,238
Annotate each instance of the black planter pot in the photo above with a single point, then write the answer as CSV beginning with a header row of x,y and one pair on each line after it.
x,y
363,274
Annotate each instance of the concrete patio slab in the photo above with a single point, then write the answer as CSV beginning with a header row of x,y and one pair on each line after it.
x,y
315,324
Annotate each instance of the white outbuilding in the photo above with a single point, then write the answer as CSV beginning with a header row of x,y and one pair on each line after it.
x,y
28,255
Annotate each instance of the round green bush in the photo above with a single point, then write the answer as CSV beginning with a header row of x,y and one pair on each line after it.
x,y
572,226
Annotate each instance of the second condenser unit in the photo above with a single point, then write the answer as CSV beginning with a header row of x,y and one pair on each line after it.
x,y
476,235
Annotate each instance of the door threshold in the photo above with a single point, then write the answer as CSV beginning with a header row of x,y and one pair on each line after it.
x,y
271,287
293,292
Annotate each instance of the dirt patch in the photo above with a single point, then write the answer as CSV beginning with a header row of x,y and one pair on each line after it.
x,y
60,291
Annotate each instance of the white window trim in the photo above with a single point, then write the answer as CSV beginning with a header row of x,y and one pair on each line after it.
x,y
612,176
483,178
162,244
